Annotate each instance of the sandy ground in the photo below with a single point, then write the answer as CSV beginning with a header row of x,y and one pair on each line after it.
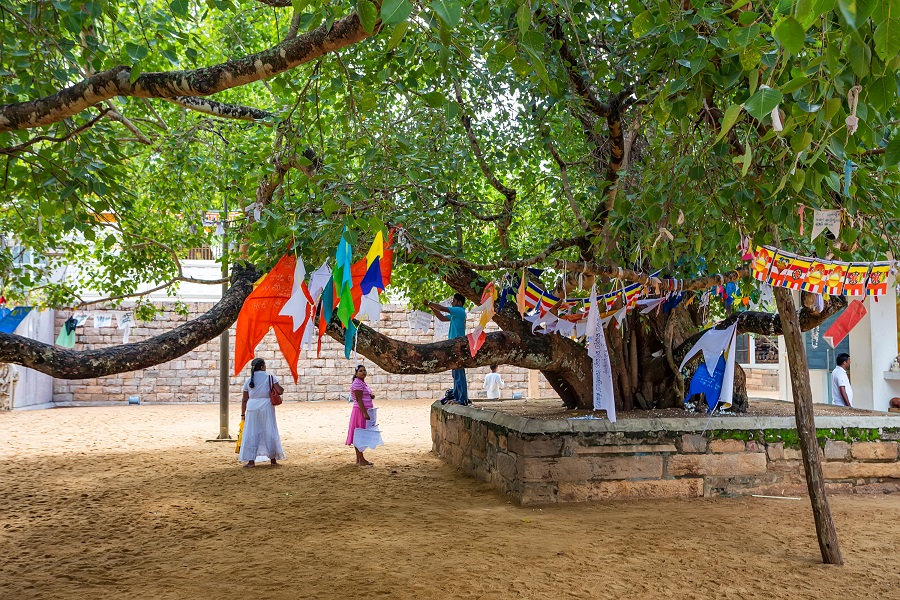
x,y
131,502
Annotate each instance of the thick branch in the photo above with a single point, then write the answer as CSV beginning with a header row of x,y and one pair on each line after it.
x,y
198,82
71,364
394,356
221,109
575,77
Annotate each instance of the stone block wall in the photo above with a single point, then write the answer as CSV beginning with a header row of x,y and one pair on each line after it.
x,y
194,377
761,379
544,462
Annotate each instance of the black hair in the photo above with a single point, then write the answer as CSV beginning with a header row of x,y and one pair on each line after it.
x,y
841,358
493,368
356,370
255,366
460,298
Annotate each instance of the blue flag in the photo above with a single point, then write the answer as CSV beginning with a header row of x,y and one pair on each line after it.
x,y
349,338
328,301
10,321
372,278
702,383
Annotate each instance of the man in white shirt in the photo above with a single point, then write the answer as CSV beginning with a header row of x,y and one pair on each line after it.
x,y
841,392
492,383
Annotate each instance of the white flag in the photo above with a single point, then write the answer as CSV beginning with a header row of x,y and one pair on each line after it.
x,y
826,219
604,397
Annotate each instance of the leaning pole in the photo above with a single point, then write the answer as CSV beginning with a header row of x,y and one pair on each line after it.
x,y
806,427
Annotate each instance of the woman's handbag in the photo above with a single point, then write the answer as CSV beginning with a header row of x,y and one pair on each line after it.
x,y
273,395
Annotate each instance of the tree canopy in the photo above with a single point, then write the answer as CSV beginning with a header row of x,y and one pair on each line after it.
x,y
648,135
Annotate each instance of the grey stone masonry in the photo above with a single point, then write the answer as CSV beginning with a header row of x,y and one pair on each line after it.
x,y
194,377
556,461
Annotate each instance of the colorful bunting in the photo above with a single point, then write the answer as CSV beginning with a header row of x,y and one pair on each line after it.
x,y
783,269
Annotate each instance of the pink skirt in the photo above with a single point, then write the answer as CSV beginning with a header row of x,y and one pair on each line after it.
x,y
357,419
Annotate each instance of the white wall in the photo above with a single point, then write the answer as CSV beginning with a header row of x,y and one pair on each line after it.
x,y
873,346
34,389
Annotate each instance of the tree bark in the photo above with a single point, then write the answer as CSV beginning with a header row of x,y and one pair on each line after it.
x,y
72,364
806,428
173,84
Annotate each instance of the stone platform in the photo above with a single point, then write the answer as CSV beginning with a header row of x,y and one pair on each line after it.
x,y
553,461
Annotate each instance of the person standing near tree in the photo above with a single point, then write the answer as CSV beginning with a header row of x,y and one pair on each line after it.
x,y
260,438
841,392
456,314
492,383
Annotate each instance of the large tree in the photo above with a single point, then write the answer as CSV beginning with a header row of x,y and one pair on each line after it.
x,y
611,140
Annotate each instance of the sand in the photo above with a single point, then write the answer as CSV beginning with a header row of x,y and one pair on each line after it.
x,y
131,502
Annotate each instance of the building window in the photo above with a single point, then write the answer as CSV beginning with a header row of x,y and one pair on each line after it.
x,y
754,350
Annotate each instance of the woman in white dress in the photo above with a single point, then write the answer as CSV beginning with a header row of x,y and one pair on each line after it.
x,y
260,439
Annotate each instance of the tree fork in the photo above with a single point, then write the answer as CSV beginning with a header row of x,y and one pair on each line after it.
x,y
806,428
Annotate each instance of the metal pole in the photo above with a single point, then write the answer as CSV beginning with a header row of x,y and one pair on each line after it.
x,y
223,344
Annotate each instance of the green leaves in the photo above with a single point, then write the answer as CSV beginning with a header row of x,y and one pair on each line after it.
x,y
394,11
760,104
790,34
892,152
642,24
368,14
450,11
397,35
887,34
729,119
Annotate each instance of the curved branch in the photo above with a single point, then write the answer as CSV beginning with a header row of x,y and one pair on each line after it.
x,y
276,3
47,138
394,356
198,82
161,286
698,283
71,364
221,109
502,264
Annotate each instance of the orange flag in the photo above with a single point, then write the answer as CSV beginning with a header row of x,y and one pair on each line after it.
x,y
260,313
520,296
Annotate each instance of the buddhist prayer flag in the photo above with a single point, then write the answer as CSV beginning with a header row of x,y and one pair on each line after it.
x,y
796,273
762,262
834,278
814,282
781,263
855,281
876,284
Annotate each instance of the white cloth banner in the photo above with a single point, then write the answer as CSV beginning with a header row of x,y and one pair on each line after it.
x,y
102,321
604,397
125,322
419,320
826,219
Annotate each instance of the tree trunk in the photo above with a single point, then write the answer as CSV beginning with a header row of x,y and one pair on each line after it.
x,y
806,428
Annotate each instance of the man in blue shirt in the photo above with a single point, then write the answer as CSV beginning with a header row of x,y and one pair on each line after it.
x,y
456,314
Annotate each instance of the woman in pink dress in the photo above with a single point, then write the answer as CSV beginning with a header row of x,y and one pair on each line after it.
x,y
362,402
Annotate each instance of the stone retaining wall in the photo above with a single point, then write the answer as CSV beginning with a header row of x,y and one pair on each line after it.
x,y
543,462
194,377
761,379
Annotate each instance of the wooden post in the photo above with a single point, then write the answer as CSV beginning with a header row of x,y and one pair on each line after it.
x,y
806,427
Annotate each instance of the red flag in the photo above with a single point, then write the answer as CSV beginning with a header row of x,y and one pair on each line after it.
x,y
852,315
260,313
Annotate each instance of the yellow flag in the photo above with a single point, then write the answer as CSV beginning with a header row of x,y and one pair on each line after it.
x,y
520,296
377,249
